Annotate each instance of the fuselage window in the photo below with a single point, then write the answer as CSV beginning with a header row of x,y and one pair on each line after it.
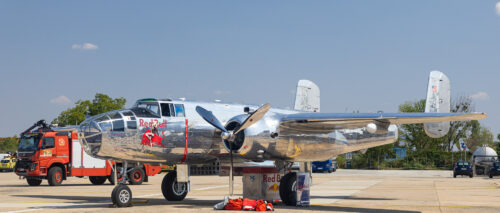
x,y
131,124
118,125
179,110
167,110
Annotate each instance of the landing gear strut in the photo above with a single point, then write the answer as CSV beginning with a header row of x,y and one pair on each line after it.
x,y
122,195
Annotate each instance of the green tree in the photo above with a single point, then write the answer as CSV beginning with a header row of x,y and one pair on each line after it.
x,y
9,144
414,134
101,103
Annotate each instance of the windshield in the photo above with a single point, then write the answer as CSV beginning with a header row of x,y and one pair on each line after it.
x,y
5,161
153,106
463,163
497,164
28,144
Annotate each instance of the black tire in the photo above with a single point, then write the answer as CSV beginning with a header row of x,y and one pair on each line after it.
x,y
491,176
136,176
330,170
171,190
55,176
470,175
111,177
97,180
121,196
454,175
34,181
288,189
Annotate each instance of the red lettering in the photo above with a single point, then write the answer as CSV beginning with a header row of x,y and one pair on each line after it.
x,y
141,122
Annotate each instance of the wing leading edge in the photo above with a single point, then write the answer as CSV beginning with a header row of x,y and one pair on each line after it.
x,y
317,123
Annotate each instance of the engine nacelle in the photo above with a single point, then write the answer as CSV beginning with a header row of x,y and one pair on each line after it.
x,y
378,127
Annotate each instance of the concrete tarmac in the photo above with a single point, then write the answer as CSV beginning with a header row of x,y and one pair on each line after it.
x,y
341,191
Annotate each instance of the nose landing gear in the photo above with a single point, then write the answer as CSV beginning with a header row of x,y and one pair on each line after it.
x,y
121,196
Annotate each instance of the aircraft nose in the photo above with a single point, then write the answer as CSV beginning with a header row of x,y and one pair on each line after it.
x,y
91,135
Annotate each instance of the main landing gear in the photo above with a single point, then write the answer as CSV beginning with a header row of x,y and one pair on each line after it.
x,y
172,189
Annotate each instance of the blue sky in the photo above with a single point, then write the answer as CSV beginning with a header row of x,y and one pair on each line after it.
x,y
364,55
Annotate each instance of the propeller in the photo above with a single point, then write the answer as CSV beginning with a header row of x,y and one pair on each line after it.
x,y
209,117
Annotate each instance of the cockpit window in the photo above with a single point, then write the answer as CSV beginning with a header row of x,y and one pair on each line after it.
x,y
179,110
167,110
143,112
153,106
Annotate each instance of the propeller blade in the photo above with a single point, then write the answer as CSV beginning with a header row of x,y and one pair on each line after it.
x,y
210,118
254,117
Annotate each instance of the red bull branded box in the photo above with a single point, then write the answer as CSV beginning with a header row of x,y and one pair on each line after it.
x,y
261,183
303,188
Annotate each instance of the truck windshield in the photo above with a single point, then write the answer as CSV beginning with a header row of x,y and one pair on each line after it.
x,y
28,144
5,161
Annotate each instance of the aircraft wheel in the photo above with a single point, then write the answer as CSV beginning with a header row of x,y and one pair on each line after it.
x,y
97,180
288,189
121,196
136,176
111,177
55,176
172,191
34,181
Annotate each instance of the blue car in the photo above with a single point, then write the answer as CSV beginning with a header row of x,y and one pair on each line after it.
x,y
324,166
462,168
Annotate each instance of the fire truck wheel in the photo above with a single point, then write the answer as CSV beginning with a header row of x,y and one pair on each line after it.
x,y
121,196
172,191
288,189
136,176
97,180
55,176
34,181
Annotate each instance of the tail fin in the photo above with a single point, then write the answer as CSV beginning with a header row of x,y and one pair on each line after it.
x,y
438,101
307,96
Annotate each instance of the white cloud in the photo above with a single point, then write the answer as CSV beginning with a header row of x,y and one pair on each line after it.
x,y
61,100
483,96
497,7
84,46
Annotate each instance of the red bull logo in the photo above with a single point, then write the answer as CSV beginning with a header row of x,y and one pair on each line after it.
x,y
271,179
153,122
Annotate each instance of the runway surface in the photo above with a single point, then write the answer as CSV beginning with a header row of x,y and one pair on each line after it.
x,y
341,191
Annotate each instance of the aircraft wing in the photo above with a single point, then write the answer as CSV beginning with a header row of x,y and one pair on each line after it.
x,y
316,123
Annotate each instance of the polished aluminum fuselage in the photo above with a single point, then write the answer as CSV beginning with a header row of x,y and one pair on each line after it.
x,y
190,139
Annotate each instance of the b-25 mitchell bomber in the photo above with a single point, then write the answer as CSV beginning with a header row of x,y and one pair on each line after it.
x,y
187,132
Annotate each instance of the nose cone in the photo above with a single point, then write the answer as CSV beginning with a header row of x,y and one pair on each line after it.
x,y
90,134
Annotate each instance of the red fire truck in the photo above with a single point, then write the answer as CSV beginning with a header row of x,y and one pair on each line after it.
x,y
54,155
